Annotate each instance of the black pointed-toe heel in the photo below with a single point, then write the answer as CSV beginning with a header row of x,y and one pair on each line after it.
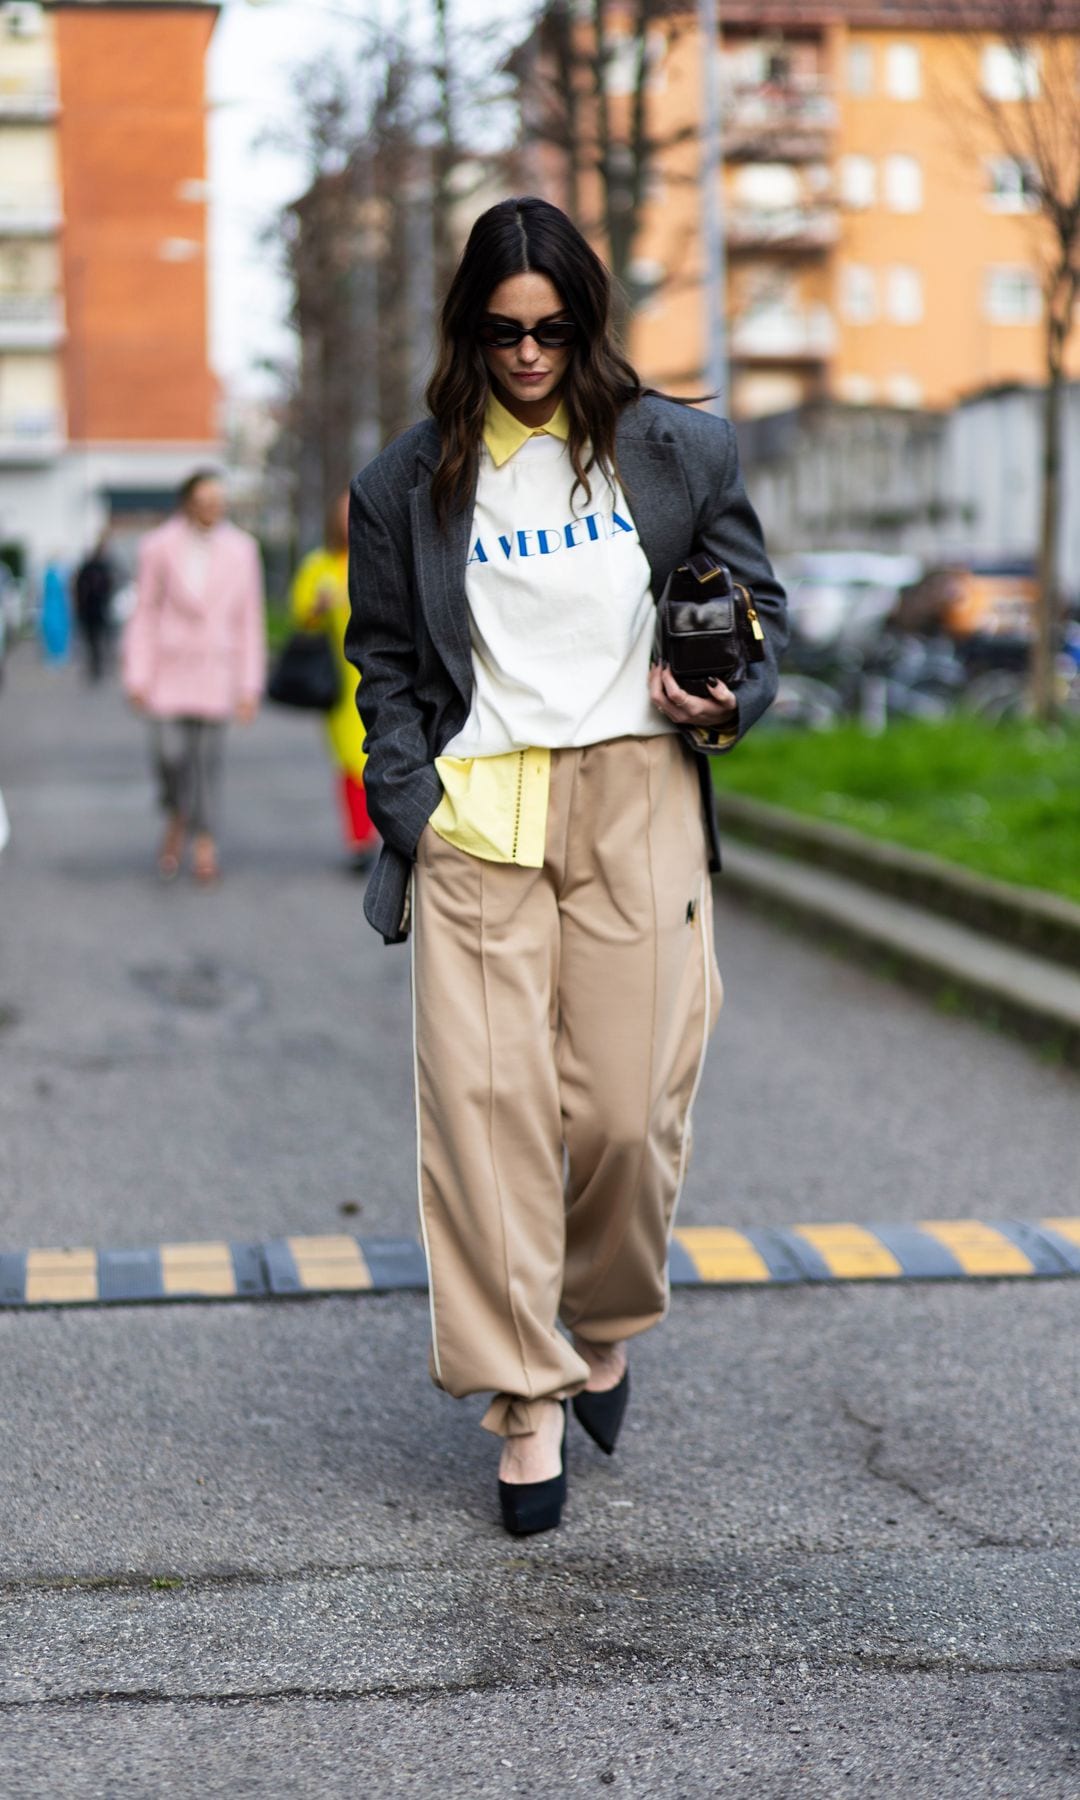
x,y
530,1506
602,1414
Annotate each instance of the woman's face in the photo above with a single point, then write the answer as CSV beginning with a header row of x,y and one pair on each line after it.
x,y
527,375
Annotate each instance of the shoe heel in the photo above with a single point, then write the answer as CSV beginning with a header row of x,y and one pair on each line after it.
x,y
531,1506
601,1415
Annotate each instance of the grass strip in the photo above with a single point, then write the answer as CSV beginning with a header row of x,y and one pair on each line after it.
x,y
1003,799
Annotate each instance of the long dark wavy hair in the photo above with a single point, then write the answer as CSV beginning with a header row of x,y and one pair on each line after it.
x,y
519,237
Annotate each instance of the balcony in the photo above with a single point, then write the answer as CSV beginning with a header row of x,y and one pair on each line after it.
x,y
779,122
781,334
32,96
37,213
782,227
31,321
30,439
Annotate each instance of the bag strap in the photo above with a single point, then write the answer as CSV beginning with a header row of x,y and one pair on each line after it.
x,y
704,567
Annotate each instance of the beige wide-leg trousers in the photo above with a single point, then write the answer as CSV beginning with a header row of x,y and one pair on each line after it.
x,y
561,1017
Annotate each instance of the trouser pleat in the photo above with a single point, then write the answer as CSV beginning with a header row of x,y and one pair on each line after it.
x,y
561,1019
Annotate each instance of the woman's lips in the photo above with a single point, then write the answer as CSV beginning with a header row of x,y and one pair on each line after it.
x,y
531,375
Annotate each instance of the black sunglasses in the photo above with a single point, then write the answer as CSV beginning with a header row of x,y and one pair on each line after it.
x,y
550,334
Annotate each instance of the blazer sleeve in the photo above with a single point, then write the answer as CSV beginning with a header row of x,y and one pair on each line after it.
x,y
730,529
139,646
252,670
400,778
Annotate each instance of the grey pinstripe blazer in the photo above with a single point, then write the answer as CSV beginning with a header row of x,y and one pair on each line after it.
x,y
409,629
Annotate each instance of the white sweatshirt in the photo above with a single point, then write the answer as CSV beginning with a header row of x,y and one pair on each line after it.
x,y
560,610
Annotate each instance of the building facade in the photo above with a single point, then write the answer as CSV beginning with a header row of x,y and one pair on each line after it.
x,y
946,486
881,246
106,393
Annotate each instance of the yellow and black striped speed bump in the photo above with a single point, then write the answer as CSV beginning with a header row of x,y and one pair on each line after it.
x,y
701,1256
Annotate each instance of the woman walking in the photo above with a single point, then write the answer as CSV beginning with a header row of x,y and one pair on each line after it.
x,y
320,602
194,657
539,787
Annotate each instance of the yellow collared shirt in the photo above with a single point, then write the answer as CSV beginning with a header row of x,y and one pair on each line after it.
x,y
495,807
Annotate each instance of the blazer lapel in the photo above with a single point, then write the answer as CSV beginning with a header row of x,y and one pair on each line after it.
x,y
440,558
659,498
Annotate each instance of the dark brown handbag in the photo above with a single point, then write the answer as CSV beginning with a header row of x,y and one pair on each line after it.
x,y
707,626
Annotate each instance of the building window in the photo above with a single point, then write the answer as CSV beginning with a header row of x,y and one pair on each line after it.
x,y
904,390
858,294
903,74
860,70
24,18
904,295
857,390
858,182
1012,296
1012,185
1010,72
645,277
624,62
903,184
768,186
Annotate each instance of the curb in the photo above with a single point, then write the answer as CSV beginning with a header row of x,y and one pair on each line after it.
x,y
1042,924
700,1256
958,967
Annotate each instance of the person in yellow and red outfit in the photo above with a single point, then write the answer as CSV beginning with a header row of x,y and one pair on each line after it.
x,y
320,602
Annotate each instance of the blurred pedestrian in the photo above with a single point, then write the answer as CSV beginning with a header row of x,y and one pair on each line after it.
x,y
54,623
320,602
545,802
194,656
95,580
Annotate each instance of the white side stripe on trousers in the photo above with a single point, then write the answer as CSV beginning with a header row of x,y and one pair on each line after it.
x,y
419,1152
705,919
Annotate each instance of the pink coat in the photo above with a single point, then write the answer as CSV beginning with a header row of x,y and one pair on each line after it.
x,y
192,655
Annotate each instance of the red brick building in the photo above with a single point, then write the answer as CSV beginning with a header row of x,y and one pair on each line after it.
x,y
106,391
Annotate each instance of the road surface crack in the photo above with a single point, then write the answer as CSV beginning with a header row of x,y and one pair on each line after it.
x,y
613,1661
977,1535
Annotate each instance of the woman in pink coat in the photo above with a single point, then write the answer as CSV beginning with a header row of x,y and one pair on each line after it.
x,y
194,657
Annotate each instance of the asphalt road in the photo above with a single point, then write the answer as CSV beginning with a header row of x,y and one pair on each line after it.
x,y
250,1551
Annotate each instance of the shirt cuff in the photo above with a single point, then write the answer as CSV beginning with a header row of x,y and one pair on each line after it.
x,y
719,737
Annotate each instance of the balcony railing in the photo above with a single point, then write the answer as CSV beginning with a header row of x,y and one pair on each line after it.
x,y
784,227
27,438
30,321
778,123
781,335
31,95
33,214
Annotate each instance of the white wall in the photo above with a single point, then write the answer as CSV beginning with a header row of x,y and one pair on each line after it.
x,y
56,511
940,485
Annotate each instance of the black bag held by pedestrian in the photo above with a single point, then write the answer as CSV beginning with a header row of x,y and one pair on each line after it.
x,y
305,673
706,625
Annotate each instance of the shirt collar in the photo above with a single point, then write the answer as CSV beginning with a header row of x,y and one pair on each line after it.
x,y
503,434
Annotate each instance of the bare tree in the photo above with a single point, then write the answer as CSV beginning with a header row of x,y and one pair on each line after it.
x,y
1026,106
374,237
583,82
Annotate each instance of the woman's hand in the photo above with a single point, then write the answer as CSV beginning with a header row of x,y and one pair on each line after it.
x,y
245,711
691,709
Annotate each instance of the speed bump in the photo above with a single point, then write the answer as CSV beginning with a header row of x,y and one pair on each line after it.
x,y
701,1256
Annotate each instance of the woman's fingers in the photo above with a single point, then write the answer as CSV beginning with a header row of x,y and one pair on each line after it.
x,y
693,709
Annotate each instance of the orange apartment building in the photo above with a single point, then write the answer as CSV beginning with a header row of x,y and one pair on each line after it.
x,y
880,246
106,392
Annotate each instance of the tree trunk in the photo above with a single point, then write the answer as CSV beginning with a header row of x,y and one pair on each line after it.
x,y
1048,605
